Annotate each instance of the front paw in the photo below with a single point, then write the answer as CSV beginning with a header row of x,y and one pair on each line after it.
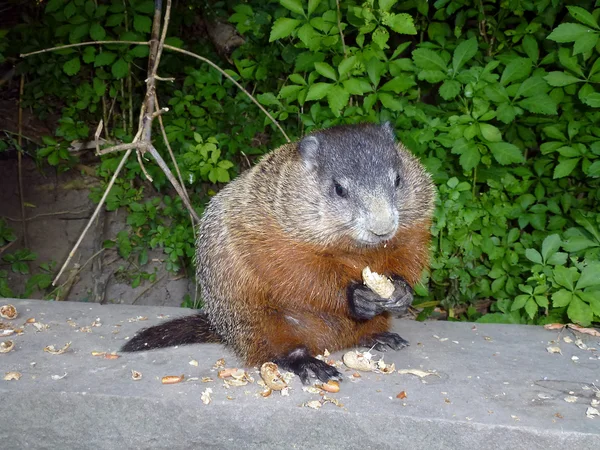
x,y
365,304
300,362
382,341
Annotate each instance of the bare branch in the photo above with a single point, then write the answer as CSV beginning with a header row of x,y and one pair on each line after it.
x,y
94,215
230,78
82,44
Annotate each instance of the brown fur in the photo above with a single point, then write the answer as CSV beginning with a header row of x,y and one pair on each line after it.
x,y
303,288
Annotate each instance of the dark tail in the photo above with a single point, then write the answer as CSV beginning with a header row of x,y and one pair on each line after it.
x,y
185,330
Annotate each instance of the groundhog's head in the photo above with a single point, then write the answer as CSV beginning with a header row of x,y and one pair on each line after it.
x,y
368,186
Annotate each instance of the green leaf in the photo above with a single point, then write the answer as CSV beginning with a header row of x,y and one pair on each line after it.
x,y
463,53
533,255
517,69
105,58
290,92
428,59
531,308
530,46
449,89
565,277
139,51
470,158
401,23
70,10
317,91
583,16
53,5
550,246
326,70
432,76
143,24
590,276
535,85
89,55
561,298
346,65
293,5
506,113
146,7
585,44
97,33
561,79
490,132
380,36
390,101
79,32
115,20
312,5
539,104
337,98
506,153
398,84
356,86
519,302
283,27
592,100
568,32
594,169
565,167
119,69
580,312
267,99
72,66
386,5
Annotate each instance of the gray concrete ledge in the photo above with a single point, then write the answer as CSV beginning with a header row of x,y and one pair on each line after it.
x,y
498,388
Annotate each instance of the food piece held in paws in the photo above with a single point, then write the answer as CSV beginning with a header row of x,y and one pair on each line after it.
x,y
380,284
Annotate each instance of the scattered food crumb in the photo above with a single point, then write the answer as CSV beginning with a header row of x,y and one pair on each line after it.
x,y
6,346
10,376
8,312
54,351
58,377
172,379
205,397
417,372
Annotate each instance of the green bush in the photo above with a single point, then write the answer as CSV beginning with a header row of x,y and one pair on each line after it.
x,y
500,100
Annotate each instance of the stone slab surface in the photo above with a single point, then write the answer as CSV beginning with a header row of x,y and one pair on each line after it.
x,y
496,388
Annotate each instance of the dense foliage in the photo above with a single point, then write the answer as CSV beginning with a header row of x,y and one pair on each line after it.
x,y
500,100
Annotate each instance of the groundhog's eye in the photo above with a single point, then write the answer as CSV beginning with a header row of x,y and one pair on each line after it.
x,y
397,181
340,190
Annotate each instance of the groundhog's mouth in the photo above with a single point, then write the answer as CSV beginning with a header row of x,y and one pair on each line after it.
x,y
373,240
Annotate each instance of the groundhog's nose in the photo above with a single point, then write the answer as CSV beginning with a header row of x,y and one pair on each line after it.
x,y
382,220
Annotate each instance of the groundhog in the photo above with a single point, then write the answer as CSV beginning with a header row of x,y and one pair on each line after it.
x,y
281,249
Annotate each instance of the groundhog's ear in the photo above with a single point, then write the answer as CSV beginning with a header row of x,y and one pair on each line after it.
x,y
308,148
389,129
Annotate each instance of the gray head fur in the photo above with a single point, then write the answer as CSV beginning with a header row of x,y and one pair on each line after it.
x,y
356,184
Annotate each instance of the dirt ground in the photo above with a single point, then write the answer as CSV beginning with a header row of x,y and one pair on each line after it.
x,y
57,211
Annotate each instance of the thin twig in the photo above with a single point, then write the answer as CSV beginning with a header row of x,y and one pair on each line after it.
x,y
94,215
82,44
152,285
38,216
178,50
161,163
174,161
230,78
20,164
339,24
